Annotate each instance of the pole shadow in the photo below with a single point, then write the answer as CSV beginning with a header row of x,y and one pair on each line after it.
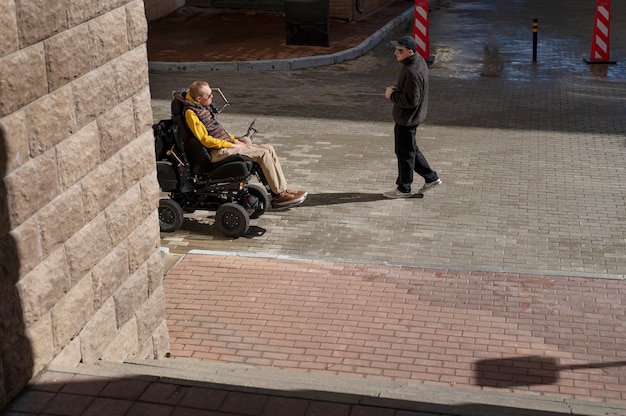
x,y
16,356
526,371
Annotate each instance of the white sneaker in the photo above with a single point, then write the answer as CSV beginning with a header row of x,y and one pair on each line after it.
x,y
395,193
428,186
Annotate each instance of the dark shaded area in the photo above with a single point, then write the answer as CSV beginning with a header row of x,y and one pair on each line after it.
x,y
156,396
307,22
16,356
208,34
547,105
516,371
340,198
209,227
526,371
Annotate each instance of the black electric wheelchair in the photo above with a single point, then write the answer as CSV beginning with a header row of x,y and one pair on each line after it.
x,y
193,182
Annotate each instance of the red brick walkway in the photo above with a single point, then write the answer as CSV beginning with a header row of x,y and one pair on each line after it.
x,y
554,335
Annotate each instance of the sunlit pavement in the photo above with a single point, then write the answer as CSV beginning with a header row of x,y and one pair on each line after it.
x,y
531,154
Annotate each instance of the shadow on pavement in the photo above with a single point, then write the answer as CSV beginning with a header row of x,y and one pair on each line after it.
x,y
197,226
314,200
526,371
135,395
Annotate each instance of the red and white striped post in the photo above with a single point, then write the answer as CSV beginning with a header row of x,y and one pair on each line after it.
x,y
420,30
601,34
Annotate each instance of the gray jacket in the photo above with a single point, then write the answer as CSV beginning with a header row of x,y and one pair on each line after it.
x,y
410,99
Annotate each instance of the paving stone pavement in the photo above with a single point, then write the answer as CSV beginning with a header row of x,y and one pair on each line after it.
x,y
499,293
550,335
531,155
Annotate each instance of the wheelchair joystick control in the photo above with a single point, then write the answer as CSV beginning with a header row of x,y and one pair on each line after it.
x,y
252,131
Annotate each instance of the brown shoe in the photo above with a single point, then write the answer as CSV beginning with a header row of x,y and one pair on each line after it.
x,y
287,199
296,193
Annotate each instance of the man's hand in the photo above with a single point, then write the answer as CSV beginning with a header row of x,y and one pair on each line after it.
x,y
388,92
246,140
238,143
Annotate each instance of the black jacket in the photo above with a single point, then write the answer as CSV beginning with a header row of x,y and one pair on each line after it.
x,y
410,99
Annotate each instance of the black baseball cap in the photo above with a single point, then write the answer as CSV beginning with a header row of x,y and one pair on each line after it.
x,y
406,41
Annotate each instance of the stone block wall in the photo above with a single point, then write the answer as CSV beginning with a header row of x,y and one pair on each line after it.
x,y
80,266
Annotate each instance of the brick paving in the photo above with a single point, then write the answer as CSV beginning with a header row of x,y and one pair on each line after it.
x,y
553,335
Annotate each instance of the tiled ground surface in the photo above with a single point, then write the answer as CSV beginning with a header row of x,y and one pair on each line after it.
x,y
531,155
553,335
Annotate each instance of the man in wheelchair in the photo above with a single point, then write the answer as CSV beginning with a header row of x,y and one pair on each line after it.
x,y
202,122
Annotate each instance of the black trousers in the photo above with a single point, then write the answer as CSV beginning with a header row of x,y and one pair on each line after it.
x,y
410,158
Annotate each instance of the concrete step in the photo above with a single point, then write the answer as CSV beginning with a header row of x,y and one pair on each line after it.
x,y
169,260
331,388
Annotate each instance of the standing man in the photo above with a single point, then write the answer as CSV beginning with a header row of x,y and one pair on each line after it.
x,y
410,103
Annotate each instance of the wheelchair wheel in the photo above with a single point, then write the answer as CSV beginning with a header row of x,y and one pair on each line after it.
x,y
232,220
264,199
170,215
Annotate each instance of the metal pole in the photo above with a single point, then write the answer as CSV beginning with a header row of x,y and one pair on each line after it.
x,y
535,30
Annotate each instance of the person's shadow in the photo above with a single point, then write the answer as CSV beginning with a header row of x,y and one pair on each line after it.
x,y
341,198
16,355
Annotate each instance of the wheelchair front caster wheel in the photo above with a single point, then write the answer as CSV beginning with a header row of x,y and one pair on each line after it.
x,y
264,200
170,215
232,220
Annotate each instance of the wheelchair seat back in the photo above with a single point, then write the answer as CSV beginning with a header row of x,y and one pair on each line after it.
x,y
198,155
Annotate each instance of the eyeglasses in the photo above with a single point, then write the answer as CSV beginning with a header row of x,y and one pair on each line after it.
x,y
204,97
398,50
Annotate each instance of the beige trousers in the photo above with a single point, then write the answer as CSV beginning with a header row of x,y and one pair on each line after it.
x,y
265,156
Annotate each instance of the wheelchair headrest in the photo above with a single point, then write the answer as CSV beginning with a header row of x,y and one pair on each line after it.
x,y
177,107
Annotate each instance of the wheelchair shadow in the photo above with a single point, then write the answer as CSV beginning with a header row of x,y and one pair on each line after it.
x,y
337,198
255,231
207,226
